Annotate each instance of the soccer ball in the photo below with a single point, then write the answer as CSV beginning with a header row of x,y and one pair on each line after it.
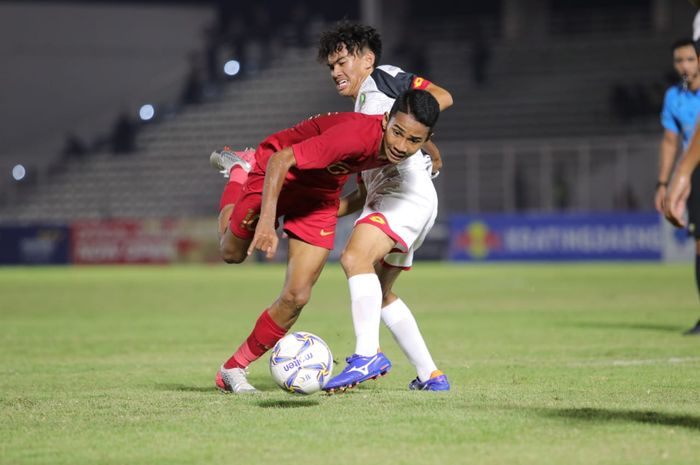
x,y
301,363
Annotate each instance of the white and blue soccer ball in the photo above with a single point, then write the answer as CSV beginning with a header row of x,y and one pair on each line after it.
x,y
301,363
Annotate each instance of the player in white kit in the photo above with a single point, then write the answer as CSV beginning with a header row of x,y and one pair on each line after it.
x,y
400,206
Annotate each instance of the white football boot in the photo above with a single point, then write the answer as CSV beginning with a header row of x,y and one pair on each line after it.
x,y
225,159
234,380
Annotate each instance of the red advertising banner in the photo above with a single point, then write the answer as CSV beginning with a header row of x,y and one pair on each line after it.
x,y
157,241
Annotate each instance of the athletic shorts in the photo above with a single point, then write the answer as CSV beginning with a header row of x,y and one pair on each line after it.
x,y
308,217
402,202
693,205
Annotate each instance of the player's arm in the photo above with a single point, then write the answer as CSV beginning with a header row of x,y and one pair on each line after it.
x,y
443,97
679,188
393,82
445,101
353,201
431,149
667,155
265,237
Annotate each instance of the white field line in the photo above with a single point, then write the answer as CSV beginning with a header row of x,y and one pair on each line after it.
x,y
637,362
580,363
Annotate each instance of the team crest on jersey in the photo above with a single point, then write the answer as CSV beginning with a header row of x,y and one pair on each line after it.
x,y
377,219
338,169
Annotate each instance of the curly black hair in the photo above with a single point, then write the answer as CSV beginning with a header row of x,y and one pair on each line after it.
x,y
354,36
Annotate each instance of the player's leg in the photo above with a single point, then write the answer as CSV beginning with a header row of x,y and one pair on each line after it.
x,y
235,166
693,208
411,221
233,249
403,326
695,330
240,210
239,223
366,246
304,266
224,219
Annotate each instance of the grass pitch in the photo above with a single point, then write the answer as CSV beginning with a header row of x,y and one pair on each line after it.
x,y
550,364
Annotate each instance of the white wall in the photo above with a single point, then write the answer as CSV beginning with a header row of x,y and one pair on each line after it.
x,y
76,66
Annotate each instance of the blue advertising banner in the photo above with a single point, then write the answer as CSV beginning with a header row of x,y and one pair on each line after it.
x,y
608,236
34,245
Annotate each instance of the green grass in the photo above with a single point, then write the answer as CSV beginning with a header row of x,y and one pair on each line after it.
x,y
550,364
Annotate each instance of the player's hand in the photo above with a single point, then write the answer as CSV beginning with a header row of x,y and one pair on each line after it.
x,y
433,160
264,239
659,199
433,165
676,197
436,167
428,162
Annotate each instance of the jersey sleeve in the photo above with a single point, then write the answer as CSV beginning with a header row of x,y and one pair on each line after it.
x,y
668,121
396,84
335,144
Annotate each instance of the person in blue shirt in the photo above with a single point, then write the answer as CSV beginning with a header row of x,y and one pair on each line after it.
x,y
679,118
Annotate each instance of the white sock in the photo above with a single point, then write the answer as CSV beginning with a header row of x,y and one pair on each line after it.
x,y
366,298
400,321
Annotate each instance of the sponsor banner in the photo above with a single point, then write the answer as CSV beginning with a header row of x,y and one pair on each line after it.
x,y
678,245
34,245
157,241
609,236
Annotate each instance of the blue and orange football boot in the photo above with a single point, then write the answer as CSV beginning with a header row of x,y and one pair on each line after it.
x,y
359,369
437,382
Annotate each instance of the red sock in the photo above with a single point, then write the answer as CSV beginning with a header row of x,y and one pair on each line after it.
x,y
237,174
265,334
232,191
231,194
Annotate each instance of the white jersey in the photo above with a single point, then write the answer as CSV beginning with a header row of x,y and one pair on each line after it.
x,y
403,194
376,97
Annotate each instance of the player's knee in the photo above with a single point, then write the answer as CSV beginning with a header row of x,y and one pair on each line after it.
x,y
232,259
388,297
351,260
232,255
295,298
386,287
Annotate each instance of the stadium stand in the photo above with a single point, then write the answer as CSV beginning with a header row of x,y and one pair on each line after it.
x,y
546,89
169,174
541,130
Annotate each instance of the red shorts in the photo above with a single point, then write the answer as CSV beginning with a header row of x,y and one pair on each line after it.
x,y
307,217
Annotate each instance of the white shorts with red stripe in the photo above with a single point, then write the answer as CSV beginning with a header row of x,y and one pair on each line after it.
x,y
402,202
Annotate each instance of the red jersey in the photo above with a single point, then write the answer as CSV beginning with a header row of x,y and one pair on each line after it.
x,y
326,149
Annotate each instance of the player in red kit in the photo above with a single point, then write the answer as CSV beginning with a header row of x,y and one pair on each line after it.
x,y
298,173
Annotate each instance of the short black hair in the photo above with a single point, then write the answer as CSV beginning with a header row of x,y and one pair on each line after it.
x,y
684,42
420,104
354,36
